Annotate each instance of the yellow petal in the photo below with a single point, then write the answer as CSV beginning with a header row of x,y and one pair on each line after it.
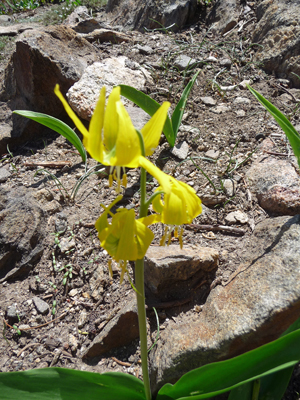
x,y
128,147
93,140
79,125
111,120
180,206
143,238
152,130
161,177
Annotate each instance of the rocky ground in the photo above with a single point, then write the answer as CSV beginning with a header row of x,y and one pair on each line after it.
x,y
58,307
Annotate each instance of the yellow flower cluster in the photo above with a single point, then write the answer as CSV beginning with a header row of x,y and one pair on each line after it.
x,y
112,140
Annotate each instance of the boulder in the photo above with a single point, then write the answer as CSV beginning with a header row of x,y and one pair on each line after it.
x,y
43,57
255,306
275,183
278,33
21,232
110,72
224,15
151,14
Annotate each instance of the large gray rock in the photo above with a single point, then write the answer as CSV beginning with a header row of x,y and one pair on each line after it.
x,y
278,31
224,15
43,57
119,331
110,72
255,306
140,14
174,273
21,232
276,184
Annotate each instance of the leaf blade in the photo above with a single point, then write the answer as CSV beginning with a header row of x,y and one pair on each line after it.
x,y
220,377
150,106
57,126
68,384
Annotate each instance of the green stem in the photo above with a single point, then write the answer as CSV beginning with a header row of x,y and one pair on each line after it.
x,y
139,283
140,296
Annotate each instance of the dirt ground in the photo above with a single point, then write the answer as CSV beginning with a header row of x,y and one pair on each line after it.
x,y
76,284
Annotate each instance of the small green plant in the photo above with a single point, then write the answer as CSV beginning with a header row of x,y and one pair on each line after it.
x,y
291,133
68,272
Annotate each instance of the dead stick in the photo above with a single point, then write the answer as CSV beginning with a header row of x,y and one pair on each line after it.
x,y
225,228
35,327
53,164
124,364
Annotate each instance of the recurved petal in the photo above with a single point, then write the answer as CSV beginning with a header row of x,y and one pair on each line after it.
x,y
79,125
93,140
152,130
161,177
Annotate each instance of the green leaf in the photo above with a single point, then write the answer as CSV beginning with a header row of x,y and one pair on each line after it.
x,y
68,384
273,386
179,110
150,106
220,377
283,122
57,126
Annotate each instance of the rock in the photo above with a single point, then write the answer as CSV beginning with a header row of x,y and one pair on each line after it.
x,y
106,35
41,306
67,244
276,185
83,319
16,29
240,113
4,174
120,331
12,313
214,154
256,305
61,223
278,31
224,15
110,72
229,187
220,109
138,14
211,200
241,100
181,150
147,50
225,62
208,101
183,62
21,232
244,83
172,273
236,217
57,53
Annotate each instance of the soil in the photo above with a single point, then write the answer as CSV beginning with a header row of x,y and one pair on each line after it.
x,y
56,339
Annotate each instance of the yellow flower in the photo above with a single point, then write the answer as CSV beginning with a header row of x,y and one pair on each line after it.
x,y
124,238
180,206
112,139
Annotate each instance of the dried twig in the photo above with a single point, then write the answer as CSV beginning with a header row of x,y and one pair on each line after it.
x,y
200,227
47,164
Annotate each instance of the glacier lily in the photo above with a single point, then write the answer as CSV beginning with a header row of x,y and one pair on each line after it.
x,y
111,138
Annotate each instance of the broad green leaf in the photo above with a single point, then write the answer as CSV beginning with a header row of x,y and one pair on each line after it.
x,y
273,386
283,122
57,126
150,106
69,384
179,110
220,377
